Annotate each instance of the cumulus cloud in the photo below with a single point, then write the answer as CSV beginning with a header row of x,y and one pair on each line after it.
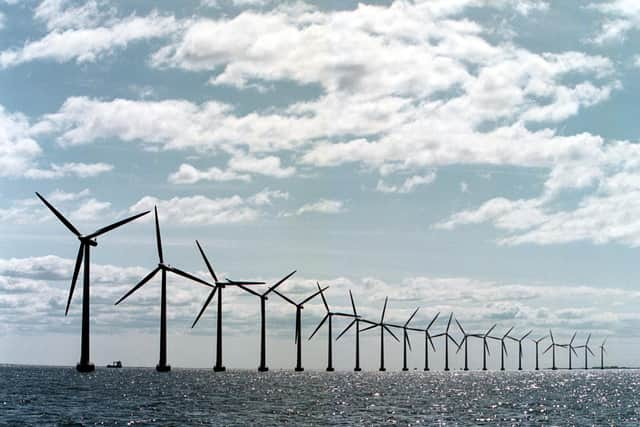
x,y
323,206
187,174
408,185
621,16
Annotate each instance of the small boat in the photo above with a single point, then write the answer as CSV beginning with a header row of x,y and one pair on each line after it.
x,y
115,364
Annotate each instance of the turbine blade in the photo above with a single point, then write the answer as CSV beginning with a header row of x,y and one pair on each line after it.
x,y
324,300
604,342
115,225
452,339
548,348
346,329
460,345
251,291
508,332
392,334
189,276
406,334
369,327
588,338
76,269
574,351
384,309
306,300
353,304
324,319
573,338
433,321
551,335
490,329
412,316
206,261
158,238
139,285
61,217
287,299
526,335
280,282
431,342
504,347
449,322
486,347
461,328
204,306
589,350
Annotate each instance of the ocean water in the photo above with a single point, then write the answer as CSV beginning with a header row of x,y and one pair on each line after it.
x,y
140,396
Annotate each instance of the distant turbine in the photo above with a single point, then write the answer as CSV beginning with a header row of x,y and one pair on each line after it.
x,y
586,349
465,341
447,337
427,341
86,242
263,326
552,347
538,341
298,334
485,346
356,320
406,342
383,327
572,349
602,352
520,353
219,286
163,268
503,348
328,316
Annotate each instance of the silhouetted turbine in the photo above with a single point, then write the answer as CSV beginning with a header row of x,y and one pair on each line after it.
x,y
503,348
329,316
219,286
428,340
586,349
406,341
298,333
553,346
356,321
84,252
520,353
571,349
485,346
447,337
162,365
383,326
538,342
465,341
263,327
602,352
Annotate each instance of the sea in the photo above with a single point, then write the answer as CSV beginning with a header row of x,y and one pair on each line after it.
x,y
42,396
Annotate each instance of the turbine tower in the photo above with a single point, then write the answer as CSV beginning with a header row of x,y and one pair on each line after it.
x,y
503,348
538,341
163,268
427,341
447,337
263,321
356,321
383,326
485,346
328,316
602,352
465,341
586,349
520,353
219,286
572,349
552,347
406,342
298,334
84,252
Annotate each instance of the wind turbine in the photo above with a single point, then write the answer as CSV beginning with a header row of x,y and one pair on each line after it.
x,y
328,316
427,341
263,327
163,268
219,286
465,342
383,326
406,342
520,353
485,346
503,348
447,337
602,352
538,342
356,320
586,349
84,252
571,349
552,347
298,335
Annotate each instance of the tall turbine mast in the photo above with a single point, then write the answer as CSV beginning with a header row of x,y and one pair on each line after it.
x,y
383,327
587,350
537,342
356,321
428,340
520,352
84,252
447,337
485,346
465,341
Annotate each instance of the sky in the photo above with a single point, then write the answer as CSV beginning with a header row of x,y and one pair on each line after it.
x,y
469,156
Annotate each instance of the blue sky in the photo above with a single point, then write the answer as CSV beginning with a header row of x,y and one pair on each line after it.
x,y
463,155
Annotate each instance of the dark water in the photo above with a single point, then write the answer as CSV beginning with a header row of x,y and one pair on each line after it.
x,y
60,396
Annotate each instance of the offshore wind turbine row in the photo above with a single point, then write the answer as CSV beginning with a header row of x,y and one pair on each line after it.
x,y
90,240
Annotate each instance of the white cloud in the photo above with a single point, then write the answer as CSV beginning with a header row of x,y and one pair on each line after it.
x,y
81,170
408,185
266,196
89,44
323,206
63,14
622,16
188,174
269,166
76,205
